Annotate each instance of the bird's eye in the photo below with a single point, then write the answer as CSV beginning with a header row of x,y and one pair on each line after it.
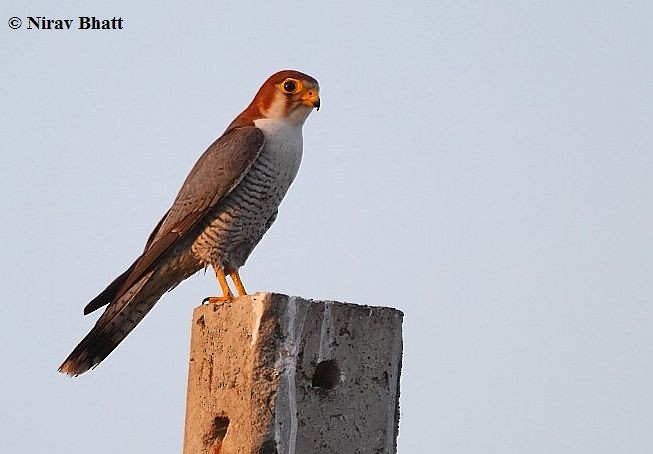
x,y
289,86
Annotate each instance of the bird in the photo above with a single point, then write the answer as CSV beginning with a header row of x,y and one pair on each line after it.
x,y
227,202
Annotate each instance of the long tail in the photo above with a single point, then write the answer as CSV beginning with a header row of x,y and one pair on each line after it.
x,y
118,320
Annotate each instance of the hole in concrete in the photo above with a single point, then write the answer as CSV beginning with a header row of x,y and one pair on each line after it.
x,y
217,434
327,374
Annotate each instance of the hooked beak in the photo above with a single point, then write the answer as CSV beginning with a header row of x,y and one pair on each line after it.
x,y
311,98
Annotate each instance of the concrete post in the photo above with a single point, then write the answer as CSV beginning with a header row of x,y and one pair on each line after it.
x,y
271,373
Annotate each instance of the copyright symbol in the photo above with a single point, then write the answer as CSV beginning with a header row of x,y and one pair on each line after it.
x,y
15,22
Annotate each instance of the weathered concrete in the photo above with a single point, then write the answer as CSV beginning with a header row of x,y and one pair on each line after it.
x,y
271,373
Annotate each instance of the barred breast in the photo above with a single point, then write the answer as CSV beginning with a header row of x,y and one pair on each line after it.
x,y
235,225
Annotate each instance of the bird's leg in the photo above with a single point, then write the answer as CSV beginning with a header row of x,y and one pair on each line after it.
x,y
238,283
224,285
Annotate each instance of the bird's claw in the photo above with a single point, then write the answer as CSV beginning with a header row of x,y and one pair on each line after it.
x,y
217,299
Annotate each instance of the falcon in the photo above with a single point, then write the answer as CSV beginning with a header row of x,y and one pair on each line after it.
x,y
227,202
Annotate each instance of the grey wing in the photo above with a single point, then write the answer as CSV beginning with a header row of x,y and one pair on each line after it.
x,y
215,174
222,166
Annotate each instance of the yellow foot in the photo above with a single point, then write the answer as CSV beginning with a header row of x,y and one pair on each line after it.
x,y
217,299
227,296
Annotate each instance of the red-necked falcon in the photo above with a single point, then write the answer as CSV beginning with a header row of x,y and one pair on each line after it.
x,y
226,204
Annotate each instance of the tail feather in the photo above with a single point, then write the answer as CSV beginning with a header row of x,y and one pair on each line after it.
x,y
109,294
118,320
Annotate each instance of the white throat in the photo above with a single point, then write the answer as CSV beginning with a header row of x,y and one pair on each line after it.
x,y
283,143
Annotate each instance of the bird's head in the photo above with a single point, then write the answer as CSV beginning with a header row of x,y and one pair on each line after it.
x,y
288,94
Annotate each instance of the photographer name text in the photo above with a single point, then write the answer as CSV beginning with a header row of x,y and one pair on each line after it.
x,y
80,23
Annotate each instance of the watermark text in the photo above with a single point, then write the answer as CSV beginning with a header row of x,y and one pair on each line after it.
x,y
78,23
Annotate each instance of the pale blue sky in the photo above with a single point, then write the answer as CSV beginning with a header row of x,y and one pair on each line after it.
x,y
486,167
